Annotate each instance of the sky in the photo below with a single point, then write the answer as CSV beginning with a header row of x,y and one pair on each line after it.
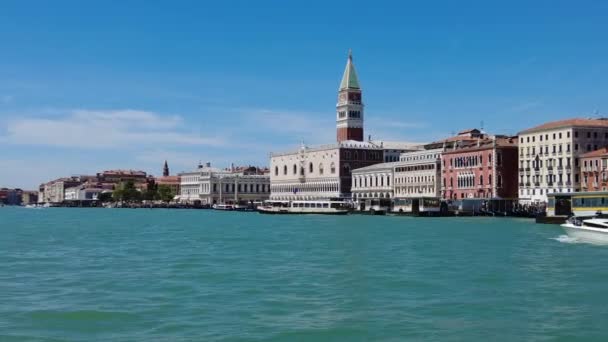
x,y
90,86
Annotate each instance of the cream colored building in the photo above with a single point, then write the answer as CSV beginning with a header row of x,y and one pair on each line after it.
x,y
211,185
375,181
54,191
549,156
418,174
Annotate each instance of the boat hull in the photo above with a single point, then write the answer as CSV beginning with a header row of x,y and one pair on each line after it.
x,y
586,234
294,212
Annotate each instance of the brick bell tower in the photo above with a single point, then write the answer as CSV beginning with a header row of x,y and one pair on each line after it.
x,y
349,110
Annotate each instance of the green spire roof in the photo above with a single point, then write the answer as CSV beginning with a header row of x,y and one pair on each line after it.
x,y
349,79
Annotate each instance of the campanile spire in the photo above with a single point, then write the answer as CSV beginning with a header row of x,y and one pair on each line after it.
x,y
349,110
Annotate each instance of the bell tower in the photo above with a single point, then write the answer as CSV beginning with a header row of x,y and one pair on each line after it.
x,y
349,110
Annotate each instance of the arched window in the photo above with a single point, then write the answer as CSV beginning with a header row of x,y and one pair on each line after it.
x,y
481,180
295,169
310,168
332,168
321,168
346,169
285,169
276,170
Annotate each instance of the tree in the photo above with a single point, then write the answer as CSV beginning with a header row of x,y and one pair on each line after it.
x,y
127,192
151,194
165,193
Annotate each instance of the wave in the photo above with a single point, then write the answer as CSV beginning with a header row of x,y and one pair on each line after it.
x,y
566,239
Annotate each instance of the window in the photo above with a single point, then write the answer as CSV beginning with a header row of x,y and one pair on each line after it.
x,y
346,170
321,168
285,169
332,168
295,169
576,134
276,173
310,168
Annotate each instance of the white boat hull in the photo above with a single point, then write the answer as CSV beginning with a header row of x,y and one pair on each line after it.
x,y
586,234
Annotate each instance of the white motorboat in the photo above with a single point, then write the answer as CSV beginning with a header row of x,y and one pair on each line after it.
x,y
305,207
225,207
593,230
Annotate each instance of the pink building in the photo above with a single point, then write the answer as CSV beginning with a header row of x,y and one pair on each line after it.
x,y
485,168
594,170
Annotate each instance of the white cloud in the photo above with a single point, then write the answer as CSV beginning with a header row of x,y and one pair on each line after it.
x,y
104,129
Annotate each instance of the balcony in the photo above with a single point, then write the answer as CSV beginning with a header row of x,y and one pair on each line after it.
x,y
521,169
568,183
527,169
527,183
560,183
568,167
537,184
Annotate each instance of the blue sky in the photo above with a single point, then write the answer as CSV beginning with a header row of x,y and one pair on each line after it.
x,y
127,84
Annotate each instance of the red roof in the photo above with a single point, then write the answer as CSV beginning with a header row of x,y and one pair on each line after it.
x,y
597,153
576,122
168,180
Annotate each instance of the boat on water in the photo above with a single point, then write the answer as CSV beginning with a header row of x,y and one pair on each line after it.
x,y
224,207
594,230
305,207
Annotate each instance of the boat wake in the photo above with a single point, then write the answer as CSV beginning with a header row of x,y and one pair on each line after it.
x,y
566,239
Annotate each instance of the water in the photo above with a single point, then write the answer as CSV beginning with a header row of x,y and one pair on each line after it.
x,y
179,275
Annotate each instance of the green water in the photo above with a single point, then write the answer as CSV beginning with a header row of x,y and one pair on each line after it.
x,y
186,275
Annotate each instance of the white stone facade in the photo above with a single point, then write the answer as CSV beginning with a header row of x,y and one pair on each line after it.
x,y
374,181
549,156
215,186
79,193
309,173
321,172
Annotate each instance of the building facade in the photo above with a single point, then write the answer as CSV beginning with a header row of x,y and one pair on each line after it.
x,y
373,182
418,174
549,156
594,170
486,168
320,172
208,185
54,191
82,193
